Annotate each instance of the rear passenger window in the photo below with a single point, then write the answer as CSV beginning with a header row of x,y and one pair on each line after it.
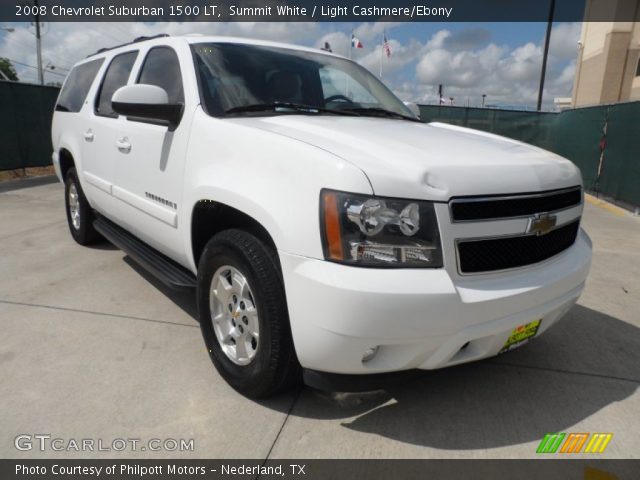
x,y
116,77
77,86
162,69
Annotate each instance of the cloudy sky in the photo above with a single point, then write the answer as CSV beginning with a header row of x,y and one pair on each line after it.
x,y
501,60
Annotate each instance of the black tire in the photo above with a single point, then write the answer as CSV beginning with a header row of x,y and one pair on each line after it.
x,y
274,368
83,233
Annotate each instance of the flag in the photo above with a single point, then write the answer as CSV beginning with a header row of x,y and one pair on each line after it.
x,y
385,46
355,42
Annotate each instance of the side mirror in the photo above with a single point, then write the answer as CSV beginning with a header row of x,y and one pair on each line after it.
x,y
415,109
147,102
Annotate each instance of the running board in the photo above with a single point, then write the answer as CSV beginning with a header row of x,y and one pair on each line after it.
x,y
160,266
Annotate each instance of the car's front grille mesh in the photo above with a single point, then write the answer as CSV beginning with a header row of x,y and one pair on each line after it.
x,y
492,254
484,208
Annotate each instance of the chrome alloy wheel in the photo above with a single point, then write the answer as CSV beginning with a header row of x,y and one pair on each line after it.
x,y
234,315
74,206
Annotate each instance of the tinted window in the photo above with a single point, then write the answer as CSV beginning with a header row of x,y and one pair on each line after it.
x,y
116,77
334,82
234,76
77,86
161,68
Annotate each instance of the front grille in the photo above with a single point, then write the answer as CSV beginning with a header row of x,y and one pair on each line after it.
x,y
502,206
488,255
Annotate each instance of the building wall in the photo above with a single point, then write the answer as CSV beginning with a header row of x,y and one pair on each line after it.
x,y
633,75
609,54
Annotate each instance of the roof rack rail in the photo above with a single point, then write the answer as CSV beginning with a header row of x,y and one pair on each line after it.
x,y
150,37
135,40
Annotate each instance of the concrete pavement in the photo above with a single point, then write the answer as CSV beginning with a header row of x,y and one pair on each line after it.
x,y
93,347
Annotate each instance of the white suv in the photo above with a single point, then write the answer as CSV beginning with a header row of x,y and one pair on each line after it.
x,y
328,233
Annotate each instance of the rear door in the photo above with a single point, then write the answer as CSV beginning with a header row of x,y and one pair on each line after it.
x,y
72,107
150,160
101,132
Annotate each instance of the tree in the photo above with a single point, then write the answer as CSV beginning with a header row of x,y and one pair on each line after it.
x,y
7,69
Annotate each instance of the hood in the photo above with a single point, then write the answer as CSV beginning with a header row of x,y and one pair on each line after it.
x,y
431,161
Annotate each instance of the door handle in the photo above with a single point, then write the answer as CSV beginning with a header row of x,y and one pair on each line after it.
x,y
88,135
123,145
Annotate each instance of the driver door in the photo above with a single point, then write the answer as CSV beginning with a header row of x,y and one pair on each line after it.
x,y
150,162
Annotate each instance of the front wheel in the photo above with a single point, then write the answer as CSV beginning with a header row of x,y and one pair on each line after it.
x,y
243,315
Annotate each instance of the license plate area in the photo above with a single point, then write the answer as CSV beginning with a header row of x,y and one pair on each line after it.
x,y
521,335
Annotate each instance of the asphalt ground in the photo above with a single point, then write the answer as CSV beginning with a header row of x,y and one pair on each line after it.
x,y
92,347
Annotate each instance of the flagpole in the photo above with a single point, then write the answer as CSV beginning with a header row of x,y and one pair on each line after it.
x,y
346,91
381,53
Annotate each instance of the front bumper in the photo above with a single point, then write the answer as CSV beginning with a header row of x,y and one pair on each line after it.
x,y
421,318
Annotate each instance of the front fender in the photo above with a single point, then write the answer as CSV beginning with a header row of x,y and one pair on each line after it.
x,y
272,178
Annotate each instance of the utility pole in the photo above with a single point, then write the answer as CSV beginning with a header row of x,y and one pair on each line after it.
x,y
552,6
38,44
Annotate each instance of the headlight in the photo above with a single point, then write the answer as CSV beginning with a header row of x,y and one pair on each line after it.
x,y
379,232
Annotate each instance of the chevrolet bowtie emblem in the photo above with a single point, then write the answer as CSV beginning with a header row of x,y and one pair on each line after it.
x,y
542,224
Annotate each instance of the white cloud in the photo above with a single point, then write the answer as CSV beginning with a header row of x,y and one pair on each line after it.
x,y
507,75
401,56
568,74
469,38
63,44
466,61
340,42
461,69
563,44
372,32
438,39
522,65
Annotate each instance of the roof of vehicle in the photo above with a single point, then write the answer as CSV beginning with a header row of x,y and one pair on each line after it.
x,y
251,41
165,39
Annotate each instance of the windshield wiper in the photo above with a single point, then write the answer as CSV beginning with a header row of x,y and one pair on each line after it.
x,y
296,107
379,112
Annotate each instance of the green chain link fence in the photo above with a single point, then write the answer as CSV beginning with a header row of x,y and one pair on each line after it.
x,y
25,134
25,124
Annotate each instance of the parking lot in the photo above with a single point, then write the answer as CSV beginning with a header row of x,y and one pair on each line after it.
x,y
93,347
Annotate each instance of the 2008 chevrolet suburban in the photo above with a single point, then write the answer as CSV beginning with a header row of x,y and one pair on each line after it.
x,y
327,231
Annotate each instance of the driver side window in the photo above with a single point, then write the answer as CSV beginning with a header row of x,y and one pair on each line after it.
x,y
116,77
162,69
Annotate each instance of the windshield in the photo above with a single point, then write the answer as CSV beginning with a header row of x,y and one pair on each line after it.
x,y
240,79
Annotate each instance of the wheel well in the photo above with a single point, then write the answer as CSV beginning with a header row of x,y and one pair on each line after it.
x,y
66,162
211,217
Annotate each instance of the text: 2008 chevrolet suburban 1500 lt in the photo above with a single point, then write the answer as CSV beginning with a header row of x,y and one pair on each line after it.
x,y
328,233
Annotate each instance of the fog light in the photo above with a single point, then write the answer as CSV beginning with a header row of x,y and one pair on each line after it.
x,y
391,253
369,353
